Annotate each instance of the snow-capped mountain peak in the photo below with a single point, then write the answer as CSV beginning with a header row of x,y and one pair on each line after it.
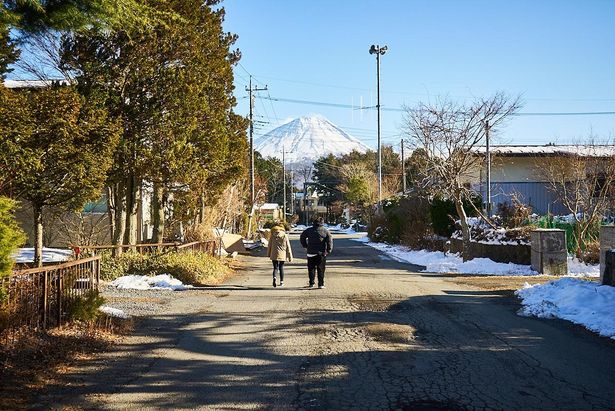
x,y
307,139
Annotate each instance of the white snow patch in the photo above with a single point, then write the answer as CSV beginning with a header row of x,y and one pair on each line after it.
x,y
578,268
144,282
113,312
580,301
50,255
439,262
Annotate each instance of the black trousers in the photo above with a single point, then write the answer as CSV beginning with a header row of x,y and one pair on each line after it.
x,y
278,265
317,264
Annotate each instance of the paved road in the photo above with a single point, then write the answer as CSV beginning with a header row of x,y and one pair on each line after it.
x,y
380,336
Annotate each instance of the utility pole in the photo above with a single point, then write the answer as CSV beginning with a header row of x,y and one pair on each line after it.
x,y
284,181
292,192
251,90
377,50
488,157
403,167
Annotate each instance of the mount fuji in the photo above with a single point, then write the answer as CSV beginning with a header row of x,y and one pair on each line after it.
x,y
305,139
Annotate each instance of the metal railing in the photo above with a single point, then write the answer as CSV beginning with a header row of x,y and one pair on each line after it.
x,y
38,297
208,246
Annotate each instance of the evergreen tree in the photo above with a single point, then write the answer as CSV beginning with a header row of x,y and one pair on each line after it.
x,y
68,145
172,87
11,237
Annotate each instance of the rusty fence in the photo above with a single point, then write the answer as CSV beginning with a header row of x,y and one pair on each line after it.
x,y
208,246
39,298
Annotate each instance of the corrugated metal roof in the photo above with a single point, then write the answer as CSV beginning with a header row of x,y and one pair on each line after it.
x,y
549,150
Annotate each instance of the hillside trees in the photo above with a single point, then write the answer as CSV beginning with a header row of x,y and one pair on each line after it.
x,y
448,133
171,86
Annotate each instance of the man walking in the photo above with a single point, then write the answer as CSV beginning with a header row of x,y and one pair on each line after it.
x,y
318,242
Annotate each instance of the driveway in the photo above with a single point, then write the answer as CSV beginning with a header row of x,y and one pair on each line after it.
x,y
380,336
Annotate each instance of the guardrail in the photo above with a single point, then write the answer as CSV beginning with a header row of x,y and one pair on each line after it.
x,y
37,298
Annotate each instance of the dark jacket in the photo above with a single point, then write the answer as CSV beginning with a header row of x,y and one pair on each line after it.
x,y
317,240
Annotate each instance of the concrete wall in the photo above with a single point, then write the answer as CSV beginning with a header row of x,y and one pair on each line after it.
x,y
501,253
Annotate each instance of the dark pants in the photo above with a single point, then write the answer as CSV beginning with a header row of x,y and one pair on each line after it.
x,y
317,264
278,265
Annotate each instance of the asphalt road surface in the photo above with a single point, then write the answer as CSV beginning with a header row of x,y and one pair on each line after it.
x,y
380,336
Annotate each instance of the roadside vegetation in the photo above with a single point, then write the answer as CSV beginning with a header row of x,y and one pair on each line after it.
x,y
189,268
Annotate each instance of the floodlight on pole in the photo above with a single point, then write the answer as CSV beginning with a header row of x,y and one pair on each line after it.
x,y
378,51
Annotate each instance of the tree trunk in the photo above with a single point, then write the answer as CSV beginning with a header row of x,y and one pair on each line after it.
x,y
202,209
465,229
111,210
38,235
158,204
119,217
132,208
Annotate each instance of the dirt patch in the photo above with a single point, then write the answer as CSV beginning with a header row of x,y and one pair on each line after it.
x,y
29,361
505,285
375,303
391,333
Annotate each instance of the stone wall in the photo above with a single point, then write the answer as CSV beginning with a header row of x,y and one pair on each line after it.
x,y
501,253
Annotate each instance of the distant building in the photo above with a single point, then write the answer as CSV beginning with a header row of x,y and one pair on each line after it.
x,y
269,211
520,170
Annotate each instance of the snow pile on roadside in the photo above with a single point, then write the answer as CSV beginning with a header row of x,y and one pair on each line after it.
x,y
438,262
578,268
113,312
582,302
50,255
483,233
144,282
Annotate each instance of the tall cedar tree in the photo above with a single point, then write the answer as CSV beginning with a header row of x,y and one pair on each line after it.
x,y
69,146
172,86
32,16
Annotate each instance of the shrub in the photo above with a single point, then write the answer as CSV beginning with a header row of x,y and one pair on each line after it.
x,y
124,264
11,236
189,268
591,254
85,308
515,214
444,214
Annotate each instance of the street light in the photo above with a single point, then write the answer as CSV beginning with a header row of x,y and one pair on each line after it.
x,y
378,51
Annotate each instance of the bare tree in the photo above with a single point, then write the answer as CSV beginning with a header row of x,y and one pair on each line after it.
x,y
449,133
583,179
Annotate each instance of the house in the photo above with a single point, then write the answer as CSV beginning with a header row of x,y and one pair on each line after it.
x,y
521,171
269,211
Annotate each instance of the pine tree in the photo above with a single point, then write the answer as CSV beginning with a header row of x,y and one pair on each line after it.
x,y
11,236
172,87
68,145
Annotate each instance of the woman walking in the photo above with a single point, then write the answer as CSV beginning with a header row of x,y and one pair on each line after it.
x,y
279,251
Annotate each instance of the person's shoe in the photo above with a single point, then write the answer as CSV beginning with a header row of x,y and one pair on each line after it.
x,y
321,286
311,285
274,284
281,283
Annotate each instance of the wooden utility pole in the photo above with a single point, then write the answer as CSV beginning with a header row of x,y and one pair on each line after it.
x,y
284,183
251,90
403,167
488,158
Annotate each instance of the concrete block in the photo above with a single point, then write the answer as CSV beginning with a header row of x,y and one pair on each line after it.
x,y
607,277
607,242
549,253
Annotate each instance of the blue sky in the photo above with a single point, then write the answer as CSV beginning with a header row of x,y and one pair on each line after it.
x,y
559,56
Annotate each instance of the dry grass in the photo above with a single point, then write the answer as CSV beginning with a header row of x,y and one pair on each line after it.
x,y
390,333
503,284
29,361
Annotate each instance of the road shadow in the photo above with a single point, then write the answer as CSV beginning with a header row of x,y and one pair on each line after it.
x,y
465,351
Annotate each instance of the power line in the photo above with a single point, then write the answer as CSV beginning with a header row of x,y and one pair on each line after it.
x,y
398,109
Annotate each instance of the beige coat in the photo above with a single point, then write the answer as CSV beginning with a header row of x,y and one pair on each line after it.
x,y
279,245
